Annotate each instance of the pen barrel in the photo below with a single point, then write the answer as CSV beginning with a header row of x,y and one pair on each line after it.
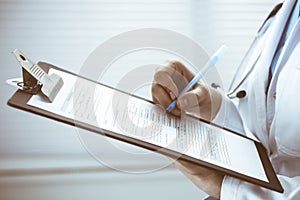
x,y
208,66
171,106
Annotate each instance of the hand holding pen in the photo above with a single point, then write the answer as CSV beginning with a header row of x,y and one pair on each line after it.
x,y
179,90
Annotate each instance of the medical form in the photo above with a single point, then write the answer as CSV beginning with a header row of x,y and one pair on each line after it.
x,y
116,111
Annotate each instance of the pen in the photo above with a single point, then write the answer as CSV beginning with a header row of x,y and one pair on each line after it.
x,y
213,60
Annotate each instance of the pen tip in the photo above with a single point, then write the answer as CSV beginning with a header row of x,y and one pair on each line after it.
x,y
222,49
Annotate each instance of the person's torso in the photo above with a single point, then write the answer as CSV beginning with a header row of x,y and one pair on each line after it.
x,y
269,111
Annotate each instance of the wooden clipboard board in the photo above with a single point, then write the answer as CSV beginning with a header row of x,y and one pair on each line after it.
x,y
20,98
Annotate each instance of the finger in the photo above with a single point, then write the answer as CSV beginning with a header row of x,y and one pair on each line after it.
x,y
191,168
188,168
176,111
164,79
188,101
177,73
181,69
160,96
194,98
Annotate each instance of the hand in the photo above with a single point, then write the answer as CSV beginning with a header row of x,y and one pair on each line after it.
x,y
202,100
207,180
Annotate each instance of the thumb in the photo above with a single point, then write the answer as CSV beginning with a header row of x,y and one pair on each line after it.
x,y
202,101
188,101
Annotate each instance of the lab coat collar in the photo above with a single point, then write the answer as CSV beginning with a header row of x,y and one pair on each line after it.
x,y
275,35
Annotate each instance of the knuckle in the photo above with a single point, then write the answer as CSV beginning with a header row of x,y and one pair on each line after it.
x,y
158,72
176,64
202,94
159,77
202,89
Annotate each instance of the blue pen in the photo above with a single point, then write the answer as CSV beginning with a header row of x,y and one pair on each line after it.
x,y
213,60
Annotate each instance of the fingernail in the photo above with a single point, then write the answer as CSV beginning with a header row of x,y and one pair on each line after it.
x,y
172,95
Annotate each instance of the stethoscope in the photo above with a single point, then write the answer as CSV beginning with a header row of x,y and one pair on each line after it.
x,y
235,90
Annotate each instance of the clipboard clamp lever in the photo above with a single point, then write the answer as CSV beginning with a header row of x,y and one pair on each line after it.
x,y
35,79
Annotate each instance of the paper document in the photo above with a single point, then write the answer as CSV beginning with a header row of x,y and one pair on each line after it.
x,y
112,110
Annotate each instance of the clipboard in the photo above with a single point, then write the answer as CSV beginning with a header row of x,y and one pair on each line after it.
x,y
20,98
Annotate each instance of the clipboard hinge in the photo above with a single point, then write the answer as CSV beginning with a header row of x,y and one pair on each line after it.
x,y
29,83
35,79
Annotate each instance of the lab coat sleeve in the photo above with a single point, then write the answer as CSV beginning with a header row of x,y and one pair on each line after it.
x,y
232,188
235,189
228,116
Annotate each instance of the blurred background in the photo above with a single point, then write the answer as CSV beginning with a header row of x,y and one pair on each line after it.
x,y
44,159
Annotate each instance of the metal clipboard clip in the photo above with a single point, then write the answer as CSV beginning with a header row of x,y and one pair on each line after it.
x,y
35,79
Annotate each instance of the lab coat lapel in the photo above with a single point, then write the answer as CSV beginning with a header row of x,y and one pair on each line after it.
x,y
287,50
262,70
291,42
285,53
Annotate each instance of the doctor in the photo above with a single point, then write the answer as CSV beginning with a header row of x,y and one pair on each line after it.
x,y
264,103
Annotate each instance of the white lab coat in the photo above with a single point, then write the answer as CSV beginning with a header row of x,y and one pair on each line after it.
x,y
272,118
